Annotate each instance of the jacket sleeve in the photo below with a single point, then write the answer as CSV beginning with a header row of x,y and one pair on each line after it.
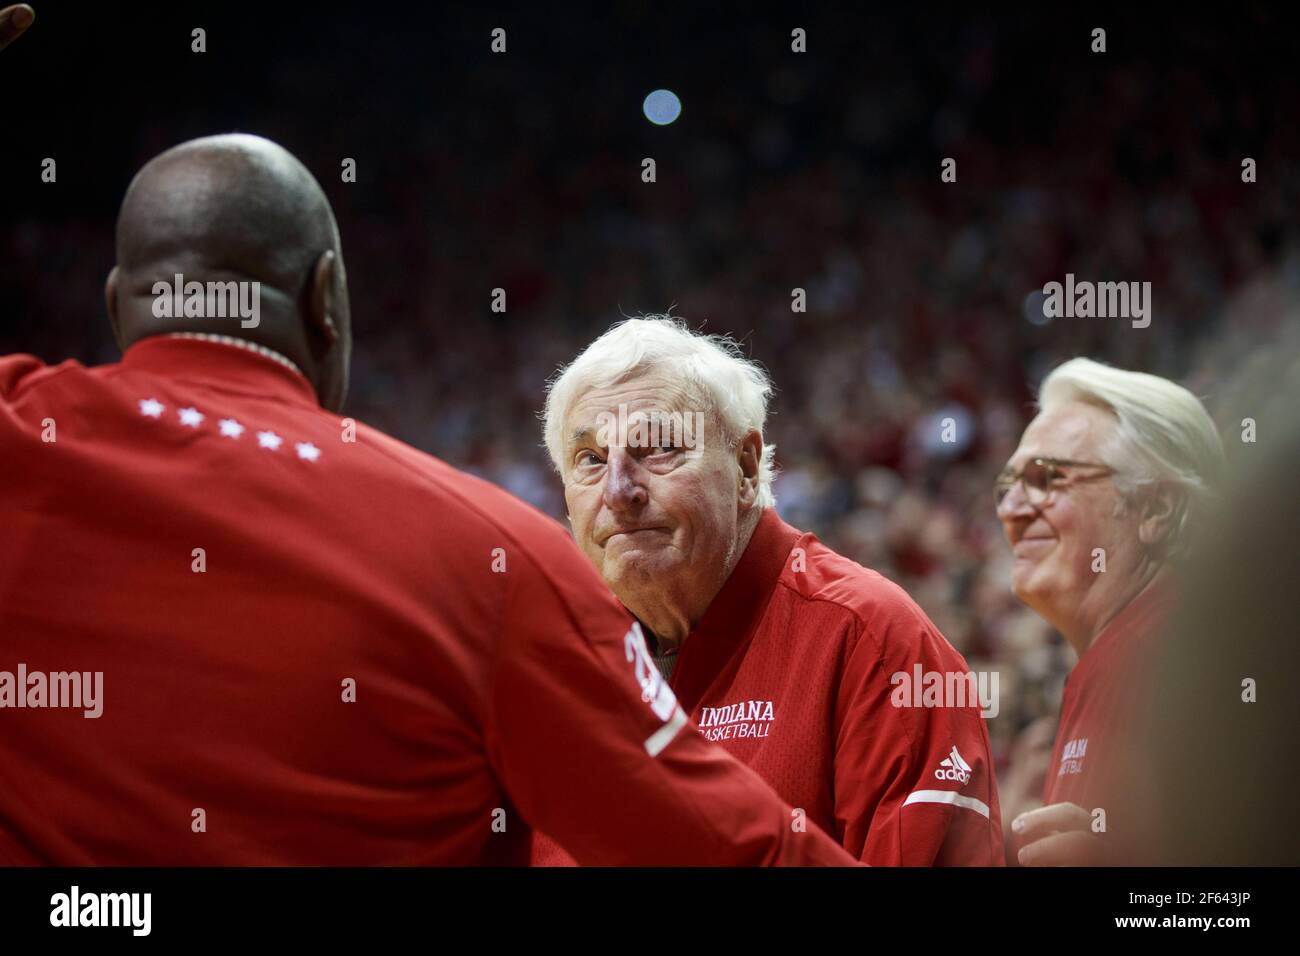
x,y
13,369
914,782
592,747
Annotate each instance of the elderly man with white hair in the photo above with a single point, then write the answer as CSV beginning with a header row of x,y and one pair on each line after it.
x,y
1098,502
803,664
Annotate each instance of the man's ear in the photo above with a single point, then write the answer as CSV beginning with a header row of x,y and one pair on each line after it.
x,y
1162,507
320,299
749,456
110,302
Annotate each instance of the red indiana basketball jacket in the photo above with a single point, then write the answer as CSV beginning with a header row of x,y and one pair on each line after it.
x,y
795,669
1107,700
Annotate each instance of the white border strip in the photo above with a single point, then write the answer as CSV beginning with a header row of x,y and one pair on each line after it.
x,y
662,737
948,796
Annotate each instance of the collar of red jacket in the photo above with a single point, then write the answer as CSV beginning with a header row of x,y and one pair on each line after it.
x,y
737,609
220,365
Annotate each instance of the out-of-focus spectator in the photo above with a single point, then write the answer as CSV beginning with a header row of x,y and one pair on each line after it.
x,y
1221,738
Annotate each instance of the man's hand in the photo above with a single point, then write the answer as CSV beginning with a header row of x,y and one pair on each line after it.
x,y
1059,835
14,21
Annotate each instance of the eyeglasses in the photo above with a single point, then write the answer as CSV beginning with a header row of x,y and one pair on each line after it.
x,y
1042,476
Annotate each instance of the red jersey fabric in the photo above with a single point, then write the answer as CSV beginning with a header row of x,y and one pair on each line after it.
x,y
790,670
495,680
1103,703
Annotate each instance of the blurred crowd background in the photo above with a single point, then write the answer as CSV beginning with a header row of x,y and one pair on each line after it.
x,y
818,171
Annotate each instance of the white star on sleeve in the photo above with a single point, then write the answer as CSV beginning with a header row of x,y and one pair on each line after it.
x,y
269,440
151,407
307,450
191,417
230,428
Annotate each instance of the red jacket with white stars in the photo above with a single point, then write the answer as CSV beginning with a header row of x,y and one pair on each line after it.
x,y
793,670
309,650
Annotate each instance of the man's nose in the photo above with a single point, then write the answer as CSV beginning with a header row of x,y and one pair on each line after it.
x,y
624,488
1015,504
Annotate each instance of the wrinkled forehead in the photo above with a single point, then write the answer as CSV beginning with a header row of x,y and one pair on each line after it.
x,y
1078,431
647,397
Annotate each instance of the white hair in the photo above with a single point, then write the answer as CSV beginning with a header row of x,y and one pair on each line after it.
x,y
712,369
1163,434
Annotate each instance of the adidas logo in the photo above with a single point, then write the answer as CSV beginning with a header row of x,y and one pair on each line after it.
x,y
953,767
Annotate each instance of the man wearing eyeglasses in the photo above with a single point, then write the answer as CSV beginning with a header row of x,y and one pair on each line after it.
x,y
1098,503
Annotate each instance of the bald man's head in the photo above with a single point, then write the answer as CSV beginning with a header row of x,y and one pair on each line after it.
x,y
237,208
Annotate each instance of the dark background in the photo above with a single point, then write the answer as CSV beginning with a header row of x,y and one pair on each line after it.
x,y
816,170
